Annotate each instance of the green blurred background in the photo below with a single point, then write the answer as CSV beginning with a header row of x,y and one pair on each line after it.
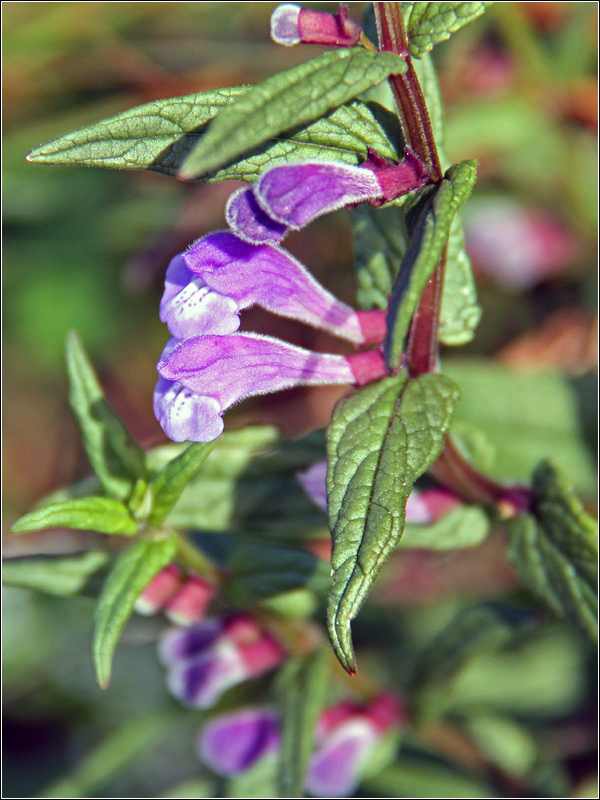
x,y
87,249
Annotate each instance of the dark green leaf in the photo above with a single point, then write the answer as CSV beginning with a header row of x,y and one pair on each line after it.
x,y
132,572
161,134
379,247
115,458
505,403
427,24
428,223
380,440
60,575
464,526
260,571
555,552
101,514
288,100
168,484
111,756
302,685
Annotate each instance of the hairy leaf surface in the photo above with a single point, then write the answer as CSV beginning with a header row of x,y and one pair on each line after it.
x,y
167,485
287,100
555,552
132,572
380,440
101,514
427,24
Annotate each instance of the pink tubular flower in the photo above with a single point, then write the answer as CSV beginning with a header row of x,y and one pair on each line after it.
x,y
232,743
208,366
292,24
209,658
160,590
346,736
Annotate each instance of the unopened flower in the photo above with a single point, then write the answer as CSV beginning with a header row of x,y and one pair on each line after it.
x,y
160,590
209,658
346,735
292,24
232,743
188,605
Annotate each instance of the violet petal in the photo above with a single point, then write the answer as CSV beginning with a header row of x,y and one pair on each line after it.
x,y
184,644
232,743
284,24
230,368
248,221
186,416
314,483
199,683
295,194
271,278
191,308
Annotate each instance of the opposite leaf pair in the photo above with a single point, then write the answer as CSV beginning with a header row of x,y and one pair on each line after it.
x,y
208,366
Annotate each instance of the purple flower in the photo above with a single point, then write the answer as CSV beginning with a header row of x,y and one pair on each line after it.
x,y
292,24
208,366
346,736
209,658
232,743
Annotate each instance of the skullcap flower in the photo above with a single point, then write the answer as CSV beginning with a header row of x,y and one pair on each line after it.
x,y
292,24
232,743
209,366
205,660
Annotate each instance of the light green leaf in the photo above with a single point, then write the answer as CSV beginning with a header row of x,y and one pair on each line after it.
x,y
111,756
427,24
59,575
380,440
168,484
556,552
428,222
464,526
259,571
505,403
132,572
115,458
301,689
380,243
288,100
101,514
506,743
259,781
160,135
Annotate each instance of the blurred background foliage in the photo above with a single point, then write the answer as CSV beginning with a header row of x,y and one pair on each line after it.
x,y
87,249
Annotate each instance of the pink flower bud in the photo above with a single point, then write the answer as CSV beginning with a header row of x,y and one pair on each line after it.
x,y
160,590
189,604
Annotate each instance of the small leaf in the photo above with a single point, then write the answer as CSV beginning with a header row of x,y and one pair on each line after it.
x,y
132,572
428,223
59,575
464,526
115,458
288,100
380,440
101,514
460,314
556,552
159,136
380,243
427,24
301,687
168,484
260,571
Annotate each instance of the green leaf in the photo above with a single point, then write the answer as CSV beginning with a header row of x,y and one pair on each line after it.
x,y
464,526
259,781
111,756
506,403
101,514
505,742
259,571
380,440
132,572
380,243
168,484
427,24
59,575
301,687
160,135
428,222
556,552
288,100
115,458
